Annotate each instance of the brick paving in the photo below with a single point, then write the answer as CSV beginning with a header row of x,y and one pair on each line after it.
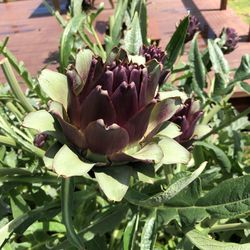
x,y
35,40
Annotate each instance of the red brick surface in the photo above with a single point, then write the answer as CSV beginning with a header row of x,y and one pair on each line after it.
x,y
33,40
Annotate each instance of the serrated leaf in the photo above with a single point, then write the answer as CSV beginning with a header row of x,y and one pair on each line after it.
x,y
174,189
176,43
221,157
243,72
67,39
133,37
218,60
55,85
149,233
203,242
129,233
245,86
66,163
197,66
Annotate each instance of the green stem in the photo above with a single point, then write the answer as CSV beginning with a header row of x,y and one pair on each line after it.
x,y
9,74
30,179
209,116
227,123
55,13
103,54
14,110
67,201
7,141
20,69
230,227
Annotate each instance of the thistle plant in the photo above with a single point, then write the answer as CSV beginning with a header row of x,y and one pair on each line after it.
x,y
110,115
229,39
193,27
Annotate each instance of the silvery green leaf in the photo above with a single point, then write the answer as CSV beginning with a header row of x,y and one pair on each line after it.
x,y
173,152
55,85
66,163
203,242
41,121
114,181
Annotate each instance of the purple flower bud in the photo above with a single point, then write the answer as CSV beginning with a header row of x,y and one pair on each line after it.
x,y
187,118
110,105
231,40
152,52
40,140
193,27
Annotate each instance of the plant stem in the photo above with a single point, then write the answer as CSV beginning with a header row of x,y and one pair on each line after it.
x,y
7,141
230,227
208,117
9,74
55,13
67,201
227,123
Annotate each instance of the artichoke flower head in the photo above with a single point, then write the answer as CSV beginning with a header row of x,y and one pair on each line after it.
x,y
109,120
229,39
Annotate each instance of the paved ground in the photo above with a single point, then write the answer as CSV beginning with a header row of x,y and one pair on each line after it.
x,y
34,36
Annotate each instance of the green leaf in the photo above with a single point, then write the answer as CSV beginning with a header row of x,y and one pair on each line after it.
x,y
169,129
18,205
130,233
55,85
221,157
230,198
197,66
218,60
67,201
141,8
133,38
245,86
149,233
174,189
243,72
114,181
117,20
176,43
41,121
66,163
145,172
171,149
203,242
67,39
25,220
150,152
50,155
83,63
77,7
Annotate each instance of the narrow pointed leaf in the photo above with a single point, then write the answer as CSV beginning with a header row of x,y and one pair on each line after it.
x,y
176,43
149,232
174,189
204,242
133,37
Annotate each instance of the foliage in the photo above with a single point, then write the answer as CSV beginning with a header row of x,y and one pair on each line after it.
x,y
170,197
